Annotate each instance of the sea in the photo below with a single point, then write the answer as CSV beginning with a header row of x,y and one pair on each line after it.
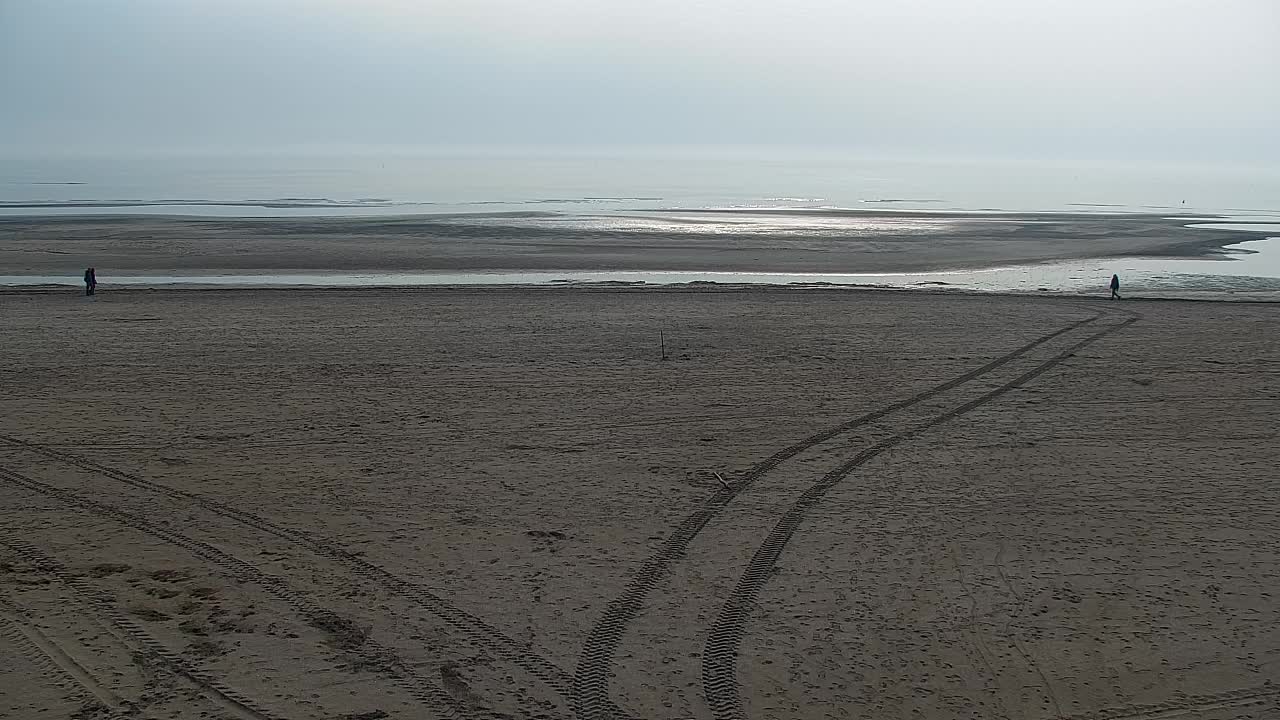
x,y
599,186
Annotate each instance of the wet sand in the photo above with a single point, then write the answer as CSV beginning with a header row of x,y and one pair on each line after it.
x,y
505,503
812,241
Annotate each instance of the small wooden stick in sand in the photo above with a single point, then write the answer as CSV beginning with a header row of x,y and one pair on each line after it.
x,y
722,482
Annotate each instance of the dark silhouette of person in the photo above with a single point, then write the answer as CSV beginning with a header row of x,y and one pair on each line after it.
x,y
1115,287
90,281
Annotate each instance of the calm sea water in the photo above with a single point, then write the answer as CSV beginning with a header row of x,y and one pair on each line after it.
x,y
604,180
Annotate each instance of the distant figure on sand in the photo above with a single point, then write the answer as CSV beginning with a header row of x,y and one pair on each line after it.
x,y
90,281
1115,287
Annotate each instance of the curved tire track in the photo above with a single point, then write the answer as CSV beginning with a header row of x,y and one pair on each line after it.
x,y
720,655
591,680
471,627
419,687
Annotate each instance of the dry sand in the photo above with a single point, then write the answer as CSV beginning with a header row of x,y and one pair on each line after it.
x,y
851,241
503,503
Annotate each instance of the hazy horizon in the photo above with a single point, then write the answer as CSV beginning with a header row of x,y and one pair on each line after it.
x,y
1174,81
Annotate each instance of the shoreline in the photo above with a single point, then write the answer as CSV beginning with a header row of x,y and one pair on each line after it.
x,y
745,241
137,292
1248,269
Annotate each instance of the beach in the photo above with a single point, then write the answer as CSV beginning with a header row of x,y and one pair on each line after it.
x,y
742,240
658,503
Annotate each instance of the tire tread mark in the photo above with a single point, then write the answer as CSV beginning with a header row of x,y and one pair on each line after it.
x,y
468,625
1256,695
1185,705
419,687
720,654
151,647
591,680
91,698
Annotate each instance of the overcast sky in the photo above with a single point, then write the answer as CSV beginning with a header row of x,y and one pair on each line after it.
x,y
1124,78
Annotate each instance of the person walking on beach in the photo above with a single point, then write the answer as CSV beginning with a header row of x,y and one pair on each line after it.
x,y
90,281
1115,287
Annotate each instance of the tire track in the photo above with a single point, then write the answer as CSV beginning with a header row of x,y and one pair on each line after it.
x,y
720,654
1186,705
50,660
369,651
469,626
591,699
89,597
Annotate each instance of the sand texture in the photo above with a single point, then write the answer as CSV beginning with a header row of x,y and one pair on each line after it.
x,y
503,503
836,241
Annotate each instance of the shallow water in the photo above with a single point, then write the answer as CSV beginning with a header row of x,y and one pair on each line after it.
x,y
1247,270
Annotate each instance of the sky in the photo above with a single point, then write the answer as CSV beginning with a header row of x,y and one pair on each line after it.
x,y
1137,79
